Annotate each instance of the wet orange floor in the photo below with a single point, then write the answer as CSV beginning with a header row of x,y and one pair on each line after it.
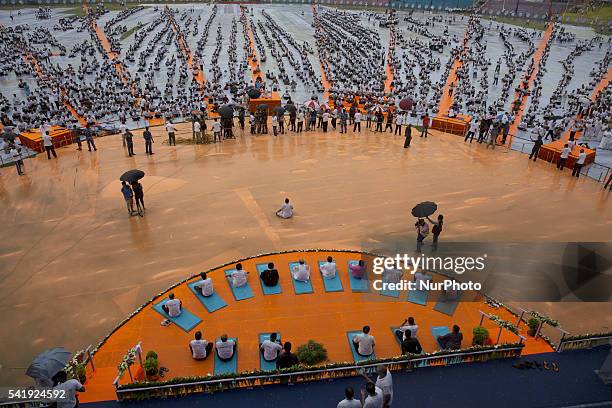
x,y
321,316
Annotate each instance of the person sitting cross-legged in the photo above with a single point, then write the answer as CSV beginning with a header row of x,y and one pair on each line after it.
x,y
357,270
270,276
225,348
172,307
364,342
287,359
408,324
451,341
238,277
328,269
205,287
301,272
271,348
200,349
410,344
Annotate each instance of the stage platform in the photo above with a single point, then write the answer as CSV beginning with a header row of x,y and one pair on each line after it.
x,y
458,125
552,151
273,101
59,135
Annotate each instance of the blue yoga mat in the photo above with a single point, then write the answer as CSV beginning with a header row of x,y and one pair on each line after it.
x,y
388,292
241,293
226,367
418,296
356,356
186,320
439,331
393,329
267,290
263,364
358,285
447,306
299,287
212,303
331,284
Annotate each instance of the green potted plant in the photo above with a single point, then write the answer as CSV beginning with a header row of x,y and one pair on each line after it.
x,y
533,325
311,353
480,336
151,365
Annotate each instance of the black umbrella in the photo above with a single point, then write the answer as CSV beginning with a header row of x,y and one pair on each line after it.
x,y
48,363
424,209
279,109
290,107
226,111
132,175
262,106
253,93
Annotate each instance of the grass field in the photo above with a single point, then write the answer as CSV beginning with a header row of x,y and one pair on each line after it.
x,y
130,32
521,22
598,18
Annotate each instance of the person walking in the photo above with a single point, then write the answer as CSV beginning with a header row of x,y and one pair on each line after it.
x,y
171,134
89,138
48,144
563,158
275,125
535,150
425,124
579,163
148,138
128,196
197,131
408,135
129,142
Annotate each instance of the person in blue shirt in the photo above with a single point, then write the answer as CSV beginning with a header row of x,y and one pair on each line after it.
x,y
148,137
128,195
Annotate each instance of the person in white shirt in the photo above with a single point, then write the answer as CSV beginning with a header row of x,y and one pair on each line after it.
x,y
216,128
171,134
122,130
364,342
200,348
48,144
579,163
197,131
328,269
563,158
286,211
472,131
271,348
69,388
238,277
349,400
301,272
225,348
357,125
384,382
173,306
205,286
372,396
408,324
16,155
274,125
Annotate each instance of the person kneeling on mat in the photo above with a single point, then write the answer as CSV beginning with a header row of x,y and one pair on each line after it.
x,y
225,348
200,349
270,348
364,342
204,288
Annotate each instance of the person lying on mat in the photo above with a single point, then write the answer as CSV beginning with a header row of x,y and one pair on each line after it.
x,y
271,348
238,277
200,349
408,324
410,344
364,342
270,276
286,211
205,286
328,269
287,359
225,348
301,271
357,270
173,306
451,341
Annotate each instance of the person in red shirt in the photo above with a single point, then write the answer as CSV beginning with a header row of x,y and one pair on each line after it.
x,y
425,125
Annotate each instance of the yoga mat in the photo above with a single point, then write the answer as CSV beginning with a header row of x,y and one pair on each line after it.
x,y
418,296
212,303
447,306
299,287
331,284
226,367
439,331
356,356
388,292
393,329
358,285
186,320
263,364
267,290
241,293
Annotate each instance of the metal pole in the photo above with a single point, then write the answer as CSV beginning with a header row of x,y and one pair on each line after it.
x,y
91,359
520,319
130,373
498,335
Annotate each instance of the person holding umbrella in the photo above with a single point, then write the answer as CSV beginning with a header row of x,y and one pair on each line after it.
x,y
70,388
128,195
423,210
132,177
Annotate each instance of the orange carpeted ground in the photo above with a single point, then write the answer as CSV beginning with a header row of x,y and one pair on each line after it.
x,y
322,316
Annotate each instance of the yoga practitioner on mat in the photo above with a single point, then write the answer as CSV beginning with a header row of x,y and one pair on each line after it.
x,y
451,341
328,269
410,344
358,270
270,276
301,272
404,327
200,348
238,277
271,348
364,342
225,348
286,211
287,359
205,287
172,307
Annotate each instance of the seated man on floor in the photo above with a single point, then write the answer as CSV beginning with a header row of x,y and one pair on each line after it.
x,y
364,342
301,272
200,349
286,211
205,287
358,270
287,359
408,324
410,344
172,307
271,348
328,269
392,275
238,277
270,276
225,348
451,341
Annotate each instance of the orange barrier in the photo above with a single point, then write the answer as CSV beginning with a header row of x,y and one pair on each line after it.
x,y
60,136
456,126
537,57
